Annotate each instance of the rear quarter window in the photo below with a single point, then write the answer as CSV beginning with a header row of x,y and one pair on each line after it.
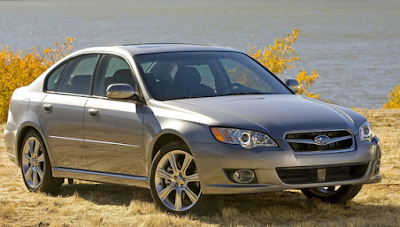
x,y
54,77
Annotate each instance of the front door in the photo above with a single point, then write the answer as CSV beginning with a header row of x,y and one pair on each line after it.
x,y
113,128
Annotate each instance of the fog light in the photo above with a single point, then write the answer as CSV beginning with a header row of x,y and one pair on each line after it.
x,y
243,176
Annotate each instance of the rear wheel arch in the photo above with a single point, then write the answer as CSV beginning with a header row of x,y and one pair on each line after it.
x,y
20,139
35,164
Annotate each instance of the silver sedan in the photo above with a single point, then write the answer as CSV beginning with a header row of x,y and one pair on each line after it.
x,y
185,121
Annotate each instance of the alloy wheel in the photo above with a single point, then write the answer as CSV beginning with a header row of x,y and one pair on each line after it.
x,y
33,162
176,181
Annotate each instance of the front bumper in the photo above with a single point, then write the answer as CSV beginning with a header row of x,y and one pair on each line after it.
x,y
214,159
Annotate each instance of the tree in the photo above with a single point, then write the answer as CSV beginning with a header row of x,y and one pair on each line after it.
x,y
281,56
17,69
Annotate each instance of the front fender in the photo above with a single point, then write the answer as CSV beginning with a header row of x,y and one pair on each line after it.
x,y
155,127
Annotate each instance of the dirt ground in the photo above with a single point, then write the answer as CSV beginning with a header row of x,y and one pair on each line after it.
x,y
92,204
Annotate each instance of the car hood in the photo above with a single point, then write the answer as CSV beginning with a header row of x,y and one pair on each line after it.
x,y
274,114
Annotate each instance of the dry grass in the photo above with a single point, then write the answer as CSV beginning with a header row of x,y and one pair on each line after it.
x,y
88,204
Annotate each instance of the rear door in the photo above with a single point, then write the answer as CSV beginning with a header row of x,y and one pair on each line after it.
x,y
113,128
61,111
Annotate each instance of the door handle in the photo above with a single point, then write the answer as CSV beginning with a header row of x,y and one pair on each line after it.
x,y
93,112
47,108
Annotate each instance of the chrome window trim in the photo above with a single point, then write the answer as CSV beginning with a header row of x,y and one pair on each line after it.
x,y
71,94
99,97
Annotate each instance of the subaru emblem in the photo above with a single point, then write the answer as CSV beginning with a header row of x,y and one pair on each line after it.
x,y
321,140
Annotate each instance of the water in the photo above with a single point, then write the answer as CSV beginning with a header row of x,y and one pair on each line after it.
x,y
354,45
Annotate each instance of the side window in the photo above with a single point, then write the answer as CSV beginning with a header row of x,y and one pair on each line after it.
x,y
53,79
112,70
77,78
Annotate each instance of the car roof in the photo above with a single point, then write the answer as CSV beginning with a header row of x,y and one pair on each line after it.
x,y
150,48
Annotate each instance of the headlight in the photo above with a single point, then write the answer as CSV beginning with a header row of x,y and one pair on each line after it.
x,y
366,133
246,138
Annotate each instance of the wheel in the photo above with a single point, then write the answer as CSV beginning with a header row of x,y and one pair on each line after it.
x,y
35,165
333,194
174,181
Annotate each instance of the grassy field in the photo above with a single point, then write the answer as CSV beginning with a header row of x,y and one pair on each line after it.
x,y
90,204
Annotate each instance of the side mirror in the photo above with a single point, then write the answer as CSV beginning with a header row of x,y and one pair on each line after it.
x,y
120,91
293,84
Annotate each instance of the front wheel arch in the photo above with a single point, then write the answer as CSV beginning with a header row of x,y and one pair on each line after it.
x,y
162,141
179,148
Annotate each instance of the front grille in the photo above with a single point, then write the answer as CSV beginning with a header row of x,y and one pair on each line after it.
x,y
304,142
321,174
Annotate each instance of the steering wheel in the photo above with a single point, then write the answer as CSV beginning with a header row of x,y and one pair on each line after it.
x,y
233,86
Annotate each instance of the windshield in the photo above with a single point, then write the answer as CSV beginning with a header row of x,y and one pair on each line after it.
x,y
205,74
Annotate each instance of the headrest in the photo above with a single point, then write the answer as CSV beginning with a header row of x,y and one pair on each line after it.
x,y
81,84
123,76
186,78
81,79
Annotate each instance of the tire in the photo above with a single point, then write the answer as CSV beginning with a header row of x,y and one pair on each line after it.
x,y
174,182
333,194
35,165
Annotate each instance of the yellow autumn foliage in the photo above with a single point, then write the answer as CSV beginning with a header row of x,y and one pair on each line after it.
x,y
19,69
281,56
306,81
393,98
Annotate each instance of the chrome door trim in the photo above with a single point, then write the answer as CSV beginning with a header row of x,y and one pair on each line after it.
x,y
66,138
112,143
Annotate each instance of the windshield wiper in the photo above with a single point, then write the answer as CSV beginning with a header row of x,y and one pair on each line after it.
x,y
190,96
231,94
245,93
